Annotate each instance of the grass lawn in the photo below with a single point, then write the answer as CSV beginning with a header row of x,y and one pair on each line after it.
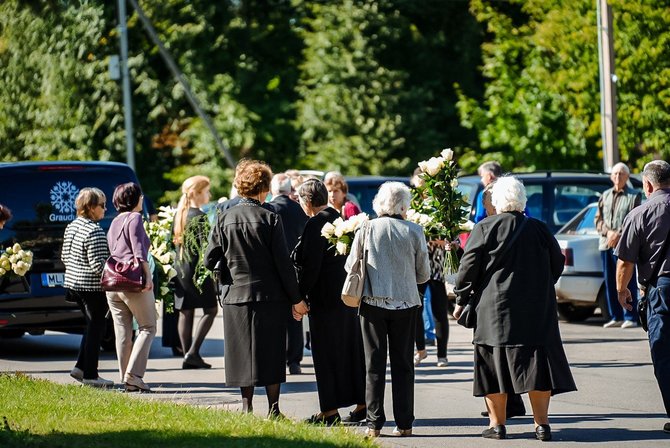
x,y
38,413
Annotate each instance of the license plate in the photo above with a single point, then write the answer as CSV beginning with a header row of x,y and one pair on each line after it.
x,y
53,280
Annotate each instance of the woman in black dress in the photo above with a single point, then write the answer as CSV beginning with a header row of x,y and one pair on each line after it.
x,y
248,248
188,296
337,346
518,346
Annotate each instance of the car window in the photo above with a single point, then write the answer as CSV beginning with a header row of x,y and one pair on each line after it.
x,y
468,189
534,200
42,204
571,199
582,224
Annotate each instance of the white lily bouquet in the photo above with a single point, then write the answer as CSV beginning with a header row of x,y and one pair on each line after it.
x,y
340,233
438,205
162,250
15,259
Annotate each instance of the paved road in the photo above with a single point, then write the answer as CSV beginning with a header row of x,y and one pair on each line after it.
x,y
617,404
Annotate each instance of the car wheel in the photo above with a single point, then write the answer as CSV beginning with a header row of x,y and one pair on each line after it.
x,y
572,313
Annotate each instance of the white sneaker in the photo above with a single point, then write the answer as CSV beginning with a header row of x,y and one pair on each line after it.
x,y
629,324
420,356
397,432
613,323
77,374
442,362
98,382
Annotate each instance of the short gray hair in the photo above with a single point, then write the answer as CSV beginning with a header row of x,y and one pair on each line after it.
x,y
280,184
623,167
657,172
393,198
508,195
313,192
492,167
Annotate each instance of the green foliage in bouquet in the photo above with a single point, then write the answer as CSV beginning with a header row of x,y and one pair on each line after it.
x,y
195,243
438,205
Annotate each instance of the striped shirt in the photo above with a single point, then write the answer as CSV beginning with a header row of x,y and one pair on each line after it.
x,y
84,254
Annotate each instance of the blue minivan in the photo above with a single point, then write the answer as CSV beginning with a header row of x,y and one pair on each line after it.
x,y
41,197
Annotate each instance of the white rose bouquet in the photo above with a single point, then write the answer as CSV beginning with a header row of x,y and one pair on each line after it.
x,y
163,253
340,234
15,259
438,205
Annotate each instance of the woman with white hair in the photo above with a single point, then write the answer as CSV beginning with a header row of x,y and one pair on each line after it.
x,y
511,263
390,303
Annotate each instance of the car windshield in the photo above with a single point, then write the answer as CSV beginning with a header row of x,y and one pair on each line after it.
x,y
582,224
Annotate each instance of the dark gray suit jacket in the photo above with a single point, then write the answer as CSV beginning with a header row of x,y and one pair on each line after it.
x,y
292,216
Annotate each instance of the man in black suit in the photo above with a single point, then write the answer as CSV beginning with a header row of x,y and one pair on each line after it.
x,y
294,219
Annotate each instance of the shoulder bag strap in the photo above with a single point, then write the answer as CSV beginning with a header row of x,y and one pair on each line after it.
x,y
123,226
508,245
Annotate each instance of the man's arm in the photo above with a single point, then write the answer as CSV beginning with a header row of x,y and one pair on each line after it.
x,y
624,272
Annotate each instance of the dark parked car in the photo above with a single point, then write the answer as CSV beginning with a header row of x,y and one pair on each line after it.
x,y
553,197
364,189
41,196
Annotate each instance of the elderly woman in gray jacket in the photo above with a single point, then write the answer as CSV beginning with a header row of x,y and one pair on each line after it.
x,y
397,260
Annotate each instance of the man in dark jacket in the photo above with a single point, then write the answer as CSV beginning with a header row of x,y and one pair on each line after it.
x,y
294,219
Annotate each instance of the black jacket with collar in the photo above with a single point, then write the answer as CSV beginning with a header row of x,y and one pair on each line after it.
x,y
249,241
292,216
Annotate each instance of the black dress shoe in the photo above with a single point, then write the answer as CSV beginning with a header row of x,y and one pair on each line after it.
x,y
355,416
320,419
666,428
499,432
294,369
543,433
194,362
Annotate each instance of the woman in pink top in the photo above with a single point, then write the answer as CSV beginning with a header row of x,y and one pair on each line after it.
x,y
337,195
127,239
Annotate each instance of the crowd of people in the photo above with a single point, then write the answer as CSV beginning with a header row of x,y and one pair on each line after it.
x,y
272,267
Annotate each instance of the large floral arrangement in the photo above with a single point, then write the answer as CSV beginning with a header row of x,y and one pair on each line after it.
x,y
15,259
438,205
163,253
340,233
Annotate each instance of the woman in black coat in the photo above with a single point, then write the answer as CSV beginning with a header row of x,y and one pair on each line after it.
x,y
518,346
259,285
337,347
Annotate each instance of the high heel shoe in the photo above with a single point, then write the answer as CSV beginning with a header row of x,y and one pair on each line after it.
x,y
194,362
321,419
355,416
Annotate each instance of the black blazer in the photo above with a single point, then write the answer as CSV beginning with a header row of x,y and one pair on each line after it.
x,y
249,241
292,216
518,305
320,268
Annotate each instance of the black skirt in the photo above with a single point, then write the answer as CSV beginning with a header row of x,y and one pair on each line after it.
x,y
255,343
517,370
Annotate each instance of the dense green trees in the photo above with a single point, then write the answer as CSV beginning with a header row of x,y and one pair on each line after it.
x,y
363,86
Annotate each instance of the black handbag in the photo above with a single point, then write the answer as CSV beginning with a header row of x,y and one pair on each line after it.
x,y
468,317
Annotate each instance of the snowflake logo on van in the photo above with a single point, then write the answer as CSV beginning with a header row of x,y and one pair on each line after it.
x,y
63,195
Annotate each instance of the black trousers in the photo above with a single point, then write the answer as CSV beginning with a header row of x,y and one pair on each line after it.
x,y
393,331
439,302
94,306
294,340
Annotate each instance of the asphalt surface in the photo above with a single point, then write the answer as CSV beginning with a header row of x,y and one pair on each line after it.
x,y
618,402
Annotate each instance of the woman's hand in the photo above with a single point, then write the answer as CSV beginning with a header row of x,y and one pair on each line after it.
x,y
148,285
458,309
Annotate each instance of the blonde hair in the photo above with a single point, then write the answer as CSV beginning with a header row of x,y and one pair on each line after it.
x,y
88,199
191,187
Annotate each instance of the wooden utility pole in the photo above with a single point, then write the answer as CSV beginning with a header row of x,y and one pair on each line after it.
x,y
608,122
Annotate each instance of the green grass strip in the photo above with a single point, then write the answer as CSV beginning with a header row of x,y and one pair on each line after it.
x,y
39,413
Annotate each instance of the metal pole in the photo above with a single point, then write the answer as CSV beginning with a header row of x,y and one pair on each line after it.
x,y
127,104
607,86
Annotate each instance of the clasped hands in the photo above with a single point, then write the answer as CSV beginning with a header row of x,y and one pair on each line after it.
x,y
299,310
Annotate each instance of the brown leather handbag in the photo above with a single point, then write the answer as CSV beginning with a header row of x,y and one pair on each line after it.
x,y
122,275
